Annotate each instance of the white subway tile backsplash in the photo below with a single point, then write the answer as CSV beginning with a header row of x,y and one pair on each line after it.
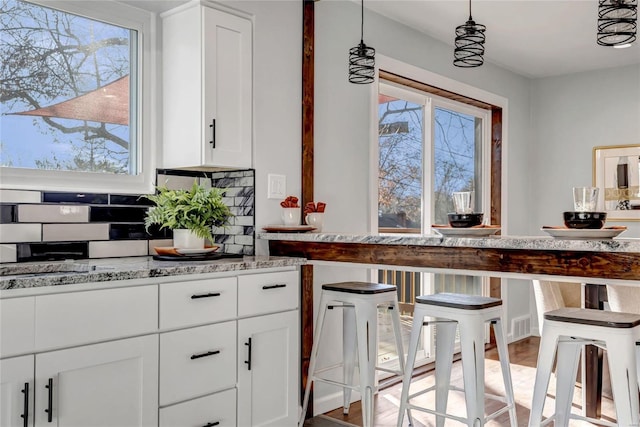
x,y
8,253
53,213
15,233
243,240
118,248
20,196
243,220
74,232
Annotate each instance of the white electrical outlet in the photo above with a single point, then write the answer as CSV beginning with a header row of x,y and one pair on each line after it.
x,y
276,186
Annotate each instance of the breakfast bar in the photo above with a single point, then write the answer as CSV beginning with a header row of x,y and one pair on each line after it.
x,y
589,261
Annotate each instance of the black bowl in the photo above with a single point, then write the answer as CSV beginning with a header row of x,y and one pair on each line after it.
x,y
581,220
464,220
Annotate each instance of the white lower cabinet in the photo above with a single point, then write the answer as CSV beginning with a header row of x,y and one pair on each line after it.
x,y
268,370
214,351
217,410
101,385
16,391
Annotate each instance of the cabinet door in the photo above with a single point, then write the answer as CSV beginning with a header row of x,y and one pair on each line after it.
x,y
16,391
227,89
102,385
268,386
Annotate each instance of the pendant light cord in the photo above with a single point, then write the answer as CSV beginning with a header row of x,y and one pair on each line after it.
x,y
362,21
470,18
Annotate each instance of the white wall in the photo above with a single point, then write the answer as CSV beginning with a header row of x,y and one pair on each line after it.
x,y
277,99
571,115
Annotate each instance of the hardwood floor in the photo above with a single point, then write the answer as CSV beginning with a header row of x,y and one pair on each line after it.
x,y
522,354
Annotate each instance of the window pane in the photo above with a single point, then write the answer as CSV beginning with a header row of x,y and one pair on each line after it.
x,y
400,136
66,98
457,159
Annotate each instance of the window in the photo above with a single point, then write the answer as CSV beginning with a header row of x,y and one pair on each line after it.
x,y
72,96
428,147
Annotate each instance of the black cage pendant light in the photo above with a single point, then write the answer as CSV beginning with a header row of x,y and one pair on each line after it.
x,y
469,43
617,22
362,59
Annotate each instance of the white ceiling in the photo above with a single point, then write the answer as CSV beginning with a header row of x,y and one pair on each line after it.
x,y
535,38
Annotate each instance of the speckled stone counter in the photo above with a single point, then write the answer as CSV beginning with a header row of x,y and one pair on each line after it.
x,y
39,274
496,242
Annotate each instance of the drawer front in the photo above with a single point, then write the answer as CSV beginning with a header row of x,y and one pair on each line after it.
x,y
197,361
16,326
84,317
218,408
267,293
197,302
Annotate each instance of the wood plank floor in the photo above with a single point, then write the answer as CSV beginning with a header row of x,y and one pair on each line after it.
x,y
523,355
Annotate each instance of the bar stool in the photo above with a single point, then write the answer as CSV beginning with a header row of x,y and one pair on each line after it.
x,y
469,313
565,331
362,300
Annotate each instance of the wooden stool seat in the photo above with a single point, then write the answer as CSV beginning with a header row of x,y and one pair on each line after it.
x,y
460,301
585,316
359,287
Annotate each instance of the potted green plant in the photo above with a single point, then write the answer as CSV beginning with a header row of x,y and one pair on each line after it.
x,y
189,213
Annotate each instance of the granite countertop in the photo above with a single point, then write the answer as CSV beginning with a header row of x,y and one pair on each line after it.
x,y
497,242
38,274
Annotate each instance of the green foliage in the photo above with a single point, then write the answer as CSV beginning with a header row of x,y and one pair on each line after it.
x,y
197,209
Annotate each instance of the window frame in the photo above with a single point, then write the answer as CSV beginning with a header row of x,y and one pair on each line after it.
x,y
146,112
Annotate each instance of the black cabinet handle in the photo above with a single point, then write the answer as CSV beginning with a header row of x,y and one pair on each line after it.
x,y
25,415
208,353
211,424
213,133
281,285
248,362
215,294
49,410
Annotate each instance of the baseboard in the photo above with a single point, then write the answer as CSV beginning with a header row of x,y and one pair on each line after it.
x,y
332,401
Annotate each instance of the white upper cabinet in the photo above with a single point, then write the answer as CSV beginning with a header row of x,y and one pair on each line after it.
x,y
207,88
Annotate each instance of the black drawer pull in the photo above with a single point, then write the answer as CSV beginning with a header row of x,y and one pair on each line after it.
x,y
281,285
213,133
49,410
211,424
248,362
208,353
209,295
25,415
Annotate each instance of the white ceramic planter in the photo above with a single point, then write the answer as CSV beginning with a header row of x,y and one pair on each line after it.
x,y
186,239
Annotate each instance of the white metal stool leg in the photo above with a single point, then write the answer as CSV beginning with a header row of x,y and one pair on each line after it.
x,y
445,342
416,331
623,370
367,327
544,367
503,354
349,354
314,356
567,369
472,346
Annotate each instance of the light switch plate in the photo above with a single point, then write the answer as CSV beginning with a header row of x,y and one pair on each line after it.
x,y
276,186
